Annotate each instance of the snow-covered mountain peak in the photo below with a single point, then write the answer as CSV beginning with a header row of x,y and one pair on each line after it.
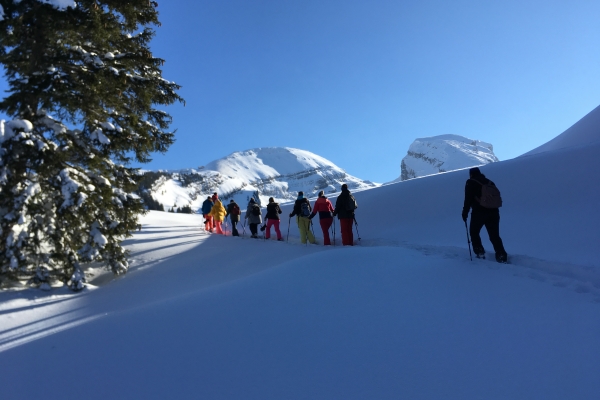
x,y
443,153
267,162
278,172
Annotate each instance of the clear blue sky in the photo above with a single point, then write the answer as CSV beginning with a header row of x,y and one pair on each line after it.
x,y
357,81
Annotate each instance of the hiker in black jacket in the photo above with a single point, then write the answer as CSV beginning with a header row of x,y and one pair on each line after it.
x,y
272,218
344,209
233,211
482,216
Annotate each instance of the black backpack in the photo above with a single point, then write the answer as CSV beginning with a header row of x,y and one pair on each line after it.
x,y
490,195
305,209
255,210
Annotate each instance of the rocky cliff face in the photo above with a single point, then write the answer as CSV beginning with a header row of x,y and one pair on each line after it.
x,y
260,173
436,154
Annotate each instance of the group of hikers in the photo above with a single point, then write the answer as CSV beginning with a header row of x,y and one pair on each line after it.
x,y
482,198
215,214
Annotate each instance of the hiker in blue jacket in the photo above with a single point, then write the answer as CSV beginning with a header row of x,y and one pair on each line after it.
x,y
206,208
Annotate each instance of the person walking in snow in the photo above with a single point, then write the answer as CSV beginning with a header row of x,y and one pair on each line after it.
x,y
254,217
302,211
324,207
218,213
233,211
206,208
344,209
272,218
482,215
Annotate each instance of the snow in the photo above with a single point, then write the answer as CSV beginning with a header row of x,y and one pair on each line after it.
x,y
404,314
586,131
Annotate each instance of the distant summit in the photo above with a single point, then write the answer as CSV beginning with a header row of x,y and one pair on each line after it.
x,y
278,172
436,154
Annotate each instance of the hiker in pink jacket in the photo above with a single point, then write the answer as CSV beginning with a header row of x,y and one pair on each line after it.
x,y
324,207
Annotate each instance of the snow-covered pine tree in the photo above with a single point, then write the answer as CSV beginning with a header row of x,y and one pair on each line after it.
x,y
83,87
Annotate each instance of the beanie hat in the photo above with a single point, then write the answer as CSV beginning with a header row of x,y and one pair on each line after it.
x,y
344,187
474,171
321,193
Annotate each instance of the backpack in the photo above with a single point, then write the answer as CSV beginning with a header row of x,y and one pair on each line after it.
x,y
235,209
255,210
305,209
351,203
490,195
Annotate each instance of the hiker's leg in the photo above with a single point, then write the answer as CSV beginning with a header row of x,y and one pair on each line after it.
x,y
477,222
325,225
276,226
492,225
346,228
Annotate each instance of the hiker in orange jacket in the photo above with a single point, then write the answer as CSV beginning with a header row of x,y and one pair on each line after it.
x,y
324,207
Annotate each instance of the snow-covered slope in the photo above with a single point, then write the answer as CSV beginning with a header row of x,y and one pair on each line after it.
x,y
586,131
278,172
404,314
432,155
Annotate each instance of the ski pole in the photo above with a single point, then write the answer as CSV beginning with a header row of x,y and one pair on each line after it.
x,y
244,230
356,225
288,234
468,241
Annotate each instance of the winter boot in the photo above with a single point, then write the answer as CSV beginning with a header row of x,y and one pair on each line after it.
x,y
502,258
479,252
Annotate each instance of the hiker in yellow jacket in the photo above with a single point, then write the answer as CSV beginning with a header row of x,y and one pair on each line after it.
x,y
218,213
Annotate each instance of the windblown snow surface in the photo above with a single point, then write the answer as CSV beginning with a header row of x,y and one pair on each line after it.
x,y
404,314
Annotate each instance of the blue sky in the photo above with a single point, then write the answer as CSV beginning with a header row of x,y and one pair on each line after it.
x,y
357,81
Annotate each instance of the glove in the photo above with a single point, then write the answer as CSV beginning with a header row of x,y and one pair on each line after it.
x,y
465,216
290,215
334,213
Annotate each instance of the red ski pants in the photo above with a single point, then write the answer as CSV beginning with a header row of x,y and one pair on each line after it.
x,y
325,225
346,228
273,223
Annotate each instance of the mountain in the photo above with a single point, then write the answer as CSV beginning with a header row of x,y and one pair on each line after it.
x,y
278,172
443,153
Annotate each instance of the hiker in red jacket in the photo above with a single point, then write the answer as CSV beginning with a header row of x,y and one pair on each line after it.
x,y
325,209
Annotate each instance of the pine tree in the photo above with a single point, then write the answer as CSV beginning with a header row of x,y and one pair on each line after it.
x,y
83,87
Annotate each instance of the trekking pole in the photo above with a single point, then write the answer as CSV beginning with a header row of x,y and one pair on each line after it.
x,y
288,235
468,241
356,225
244,229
